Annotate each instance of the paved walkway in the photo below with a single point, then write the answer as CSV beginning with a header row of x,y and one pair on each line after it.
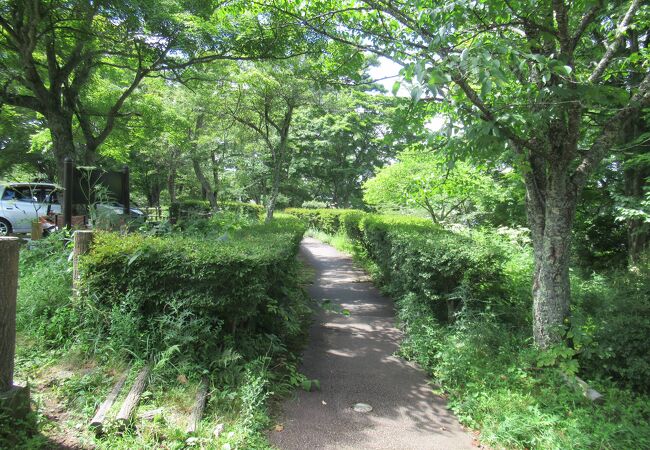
x,y
353,358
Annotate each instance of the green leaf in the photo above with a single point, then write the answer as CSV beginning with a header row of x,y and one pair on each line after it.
x,y
396,87
309,385
133,258
562,70
416,93
486,87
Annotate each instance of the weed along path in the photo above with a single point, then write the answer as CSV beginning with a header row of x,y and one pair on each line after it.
x,y
353,359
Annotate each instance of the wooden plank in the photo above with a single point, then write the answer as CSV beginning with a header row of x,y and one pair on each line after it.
x,y
97,422
132,399
199,406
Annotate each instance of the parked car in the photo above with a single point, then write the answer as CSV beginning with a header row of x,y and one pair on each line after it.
x,y
22,203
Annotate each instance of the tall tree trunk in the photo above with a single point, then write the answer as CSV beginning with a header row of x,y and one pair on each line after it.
x,y
171,176
335,195
60,126
206,188
171,185
205,184
275,191
153,194
279,157
635,183
215,176
551,204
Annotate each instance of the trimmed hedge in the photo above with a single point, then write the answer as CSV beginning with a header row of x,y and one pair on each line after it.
x,y
435,264
191,209
153,293
448,270
326,220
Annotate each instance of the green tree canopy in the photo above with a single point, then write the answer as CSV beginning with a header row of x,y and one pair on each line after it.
x,y
551,82
425,181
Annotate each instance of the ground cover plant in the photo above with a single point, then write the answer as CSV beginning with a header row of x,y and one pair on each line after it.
x,y
464,302
227,305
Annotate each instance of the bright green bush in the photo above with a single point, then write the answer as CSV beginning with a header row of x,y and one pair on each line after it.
x,y
325,220
193,209
213,226
350,224
189,209
194,295
313,204
251,210
448,271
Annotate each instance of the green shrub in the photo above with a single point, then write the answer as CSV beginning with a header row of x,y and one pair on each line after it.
x,y
351,224
449,270
325,220
147,294
215,225
613,315
185,209
250,210
193,209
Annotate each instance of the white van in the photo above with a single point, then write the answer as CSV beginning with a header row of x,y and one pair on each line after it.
x,y
22,203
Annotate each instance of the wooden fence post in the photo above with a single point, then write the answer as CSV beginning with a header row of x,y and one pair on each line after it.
x,y
82,241
37,230
12,398
68,174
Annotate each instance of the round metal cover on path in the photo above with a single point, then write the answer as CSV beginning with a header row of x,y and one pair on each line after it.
x,y
362,408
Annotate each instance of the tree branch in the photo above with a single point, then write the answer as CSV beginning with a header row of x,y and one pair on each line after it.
x,y
21,101
610,133
616,43
255,128
562,19
487,113
527,21
586,20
